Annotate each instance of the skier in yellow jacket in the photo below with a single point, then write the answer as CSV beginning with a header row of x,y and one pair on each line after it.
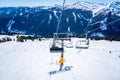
x,y
61,61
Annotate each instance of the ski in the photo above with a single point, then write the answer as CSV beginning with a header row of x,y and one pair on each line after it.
x,y
67,68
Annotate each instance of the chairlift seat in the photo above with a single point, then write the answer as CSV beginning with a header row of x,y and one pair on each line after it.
x,y
56,49
82,47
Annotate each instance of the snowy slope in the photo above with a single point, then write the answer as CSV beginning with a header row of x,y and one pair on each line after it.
x,y
32,61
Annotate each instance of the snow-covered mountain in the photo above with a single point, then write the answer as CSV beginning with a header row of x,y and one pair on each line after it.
x,y
85,6
39,20
115,7
43,20
108,17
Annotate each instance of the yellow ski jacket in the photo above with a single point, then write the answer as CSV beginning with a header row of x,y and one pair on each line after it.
x,y
61,61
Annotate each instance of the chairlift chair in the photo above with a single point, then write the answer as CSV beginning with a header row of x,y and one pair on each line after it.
x,y
56,49
56,46
82,44
68,44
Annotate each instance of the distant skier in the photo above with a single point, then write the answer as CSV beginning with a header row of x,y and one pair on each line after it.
x,y
61,61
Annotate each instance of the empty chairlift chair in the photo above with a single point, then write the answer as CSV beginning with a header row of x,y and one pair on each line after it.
x,y
82,44
68,44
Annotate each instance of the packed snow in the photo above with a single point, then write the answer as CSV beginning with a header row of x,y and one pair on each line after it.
x,y
32,60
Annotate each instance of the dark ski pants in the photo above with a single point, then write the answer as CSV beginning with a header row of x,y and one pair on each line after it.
x,y
61,66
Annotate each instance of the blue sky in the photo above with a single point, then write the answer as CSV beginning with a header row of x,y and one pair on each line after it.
x,y
44,2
